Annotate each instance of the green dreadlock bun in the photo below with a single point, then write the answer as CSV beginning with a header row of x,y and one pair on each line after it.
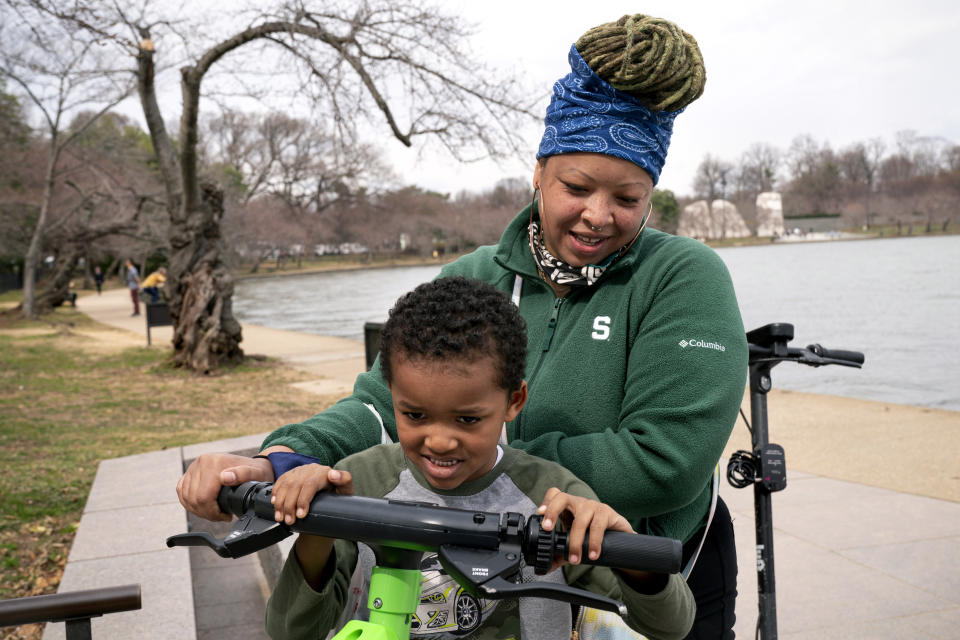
x,y
651,59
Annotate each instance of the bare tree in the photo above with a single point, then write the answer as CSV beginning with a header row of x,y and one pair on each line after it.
x,y
860,167
14,135
926,154
295,162
18,160
291,158
951,159
757,171
71,243
373,61
711,181
59,70
262,229
713,177
106,185
814,175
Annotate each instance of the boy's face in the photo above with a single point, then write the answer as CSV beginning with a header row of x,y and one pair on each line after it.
x,y
449,416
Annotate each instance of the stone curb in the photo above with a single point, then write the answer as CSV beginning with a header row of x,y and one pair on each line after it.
x,y
131,510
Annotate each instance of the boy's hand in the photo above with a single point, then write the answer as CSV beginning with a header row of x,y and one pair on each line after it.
x,y
579,515
294,490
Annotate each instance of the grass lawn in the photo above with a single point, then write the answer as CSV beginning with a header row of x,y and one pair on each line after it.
x,y
71,395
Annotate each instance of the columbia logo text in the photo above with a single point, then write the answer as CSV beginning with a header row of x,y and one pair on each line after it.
x,y
703,344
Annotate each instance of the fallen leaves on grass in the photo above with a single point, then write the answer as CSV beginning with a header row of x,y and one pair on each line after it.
x,y
64,408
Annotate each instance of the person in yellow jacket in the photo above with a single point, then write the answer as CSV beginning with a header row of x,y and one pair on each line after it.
x,y
153,282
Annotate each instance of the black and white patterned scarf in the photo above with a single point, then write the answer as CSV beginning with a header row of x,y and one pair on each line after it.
x,y
556,270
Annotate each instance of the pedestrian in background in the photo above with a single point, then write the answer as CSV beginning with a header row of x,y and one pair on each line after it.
x,y
133,284
152,283
98,279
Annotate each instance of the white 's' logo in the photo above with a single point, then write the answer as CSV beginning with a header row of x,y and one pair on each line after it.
x,y
601,328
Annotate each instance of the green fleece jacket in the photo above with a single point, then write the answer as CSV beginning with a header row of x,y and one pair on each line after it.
x,y
635,383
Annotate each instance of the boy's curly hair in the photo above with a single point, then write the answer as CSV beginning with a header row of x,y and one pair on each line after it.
x,y
457,319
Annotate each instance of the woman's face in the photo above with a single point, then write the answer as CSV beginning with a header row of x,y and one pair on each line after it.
x,y
590,205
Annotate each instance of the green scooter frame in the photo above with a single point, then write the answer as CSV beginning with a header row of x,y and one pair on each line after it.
x,y
394,595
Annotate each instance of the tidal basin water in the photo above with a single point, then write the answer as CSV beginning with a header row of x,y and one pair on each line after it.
x,y
896,300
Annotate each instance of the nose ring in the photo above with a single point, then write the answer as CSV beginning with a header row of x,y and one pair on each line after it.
x,y
593,228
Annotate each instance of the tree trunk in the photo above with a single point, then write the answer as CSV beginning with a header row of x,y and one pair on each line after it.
x,y
200,288
58,286
32,260
256,262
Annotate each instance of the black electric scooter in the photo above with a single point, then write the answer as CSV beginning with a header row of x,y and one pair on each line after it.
x,y
765,467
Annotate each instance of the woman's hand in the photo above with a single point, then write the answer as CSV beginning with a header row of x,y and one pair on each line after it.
x,y
198,488
294,490
581,517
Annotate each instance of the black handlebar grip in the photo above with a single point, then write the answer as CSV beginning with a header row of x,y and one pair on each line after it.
x,y
837,354
233,500
637,551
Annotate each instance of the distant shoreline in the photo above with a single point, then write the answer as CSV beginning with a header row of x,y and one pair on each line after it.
x,y
844,235
333,266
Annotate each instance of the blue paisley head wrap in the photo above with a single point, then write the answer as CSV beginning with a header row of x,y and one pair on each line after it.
x,y
586,114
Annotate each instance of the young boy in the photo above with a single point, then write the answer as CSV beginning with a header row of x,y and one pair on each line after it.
x,y
453,352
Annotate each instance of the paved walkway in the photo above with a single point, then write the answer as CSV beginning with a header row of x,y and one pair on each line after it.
x,y
852,560
334,361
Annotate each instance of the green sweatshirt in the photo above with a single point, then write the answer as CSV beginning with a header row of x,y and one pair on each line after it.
x,y
517,484
635,383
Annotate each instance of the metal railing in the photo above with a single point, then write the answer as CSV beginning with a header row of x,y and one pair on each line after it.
x,y
73,607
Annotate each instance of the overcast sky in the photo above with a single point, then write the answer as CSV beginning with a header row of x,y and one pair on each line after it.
x,y
841,71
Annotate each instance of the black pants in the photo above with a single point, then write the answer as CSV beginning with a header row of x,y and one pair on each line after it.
x,y
714,578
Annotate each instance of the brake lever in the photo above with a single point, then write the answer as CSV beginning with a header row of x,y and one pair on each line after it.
x,y
495,574
500,588
249,534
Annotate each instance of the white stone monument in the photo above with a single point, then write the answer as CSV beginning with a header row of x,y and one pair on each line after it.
x,y
769,215
727,221
695,221
712,222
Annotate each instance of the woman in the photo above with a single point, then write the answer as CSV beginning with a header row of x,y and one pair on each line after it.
x,y
637,350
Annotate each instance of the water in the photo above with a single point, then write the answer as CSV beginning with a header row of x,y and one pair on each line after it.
x,y
896,300
330,304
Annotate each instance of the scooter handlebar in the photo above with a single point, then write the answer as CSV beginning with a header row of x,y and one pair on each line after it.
x,y
637,551
427,527
853,357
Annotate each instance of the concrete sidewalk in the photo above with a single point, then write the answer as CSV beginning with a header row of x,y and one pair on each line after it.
x,y
334,361
852,560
